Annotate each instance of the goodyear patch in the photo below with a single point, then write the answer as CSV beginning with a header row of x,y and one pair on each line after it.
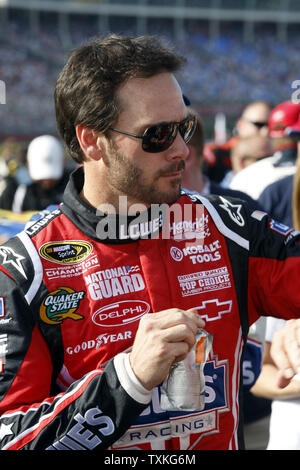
x,y
66,252
61,304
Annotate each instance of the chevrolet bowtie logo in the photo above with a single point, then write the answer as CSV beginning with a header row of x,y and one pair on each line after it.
x,y
213,309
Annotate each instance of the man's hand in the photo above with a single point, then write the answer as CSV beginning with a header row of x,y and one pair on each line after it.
x,y
162,338
285,352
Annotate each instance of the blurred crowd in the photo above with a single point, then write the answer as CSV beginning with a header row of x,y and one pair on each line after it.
x,y
226,70
220,72
257,162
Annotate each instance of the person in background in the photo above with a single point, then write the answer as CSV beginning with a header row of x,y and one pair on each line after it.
x,y
279,197
10,156
255,178
256,411
252,122
284,423
247,151
46,168
193,177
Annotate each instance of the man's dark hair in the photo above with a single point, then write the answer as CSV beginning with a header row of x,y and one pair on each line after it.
x,y
86,88
198,138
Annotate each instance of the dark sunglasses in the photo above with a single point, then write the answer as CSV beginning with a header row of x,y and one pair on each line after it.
x,y
160,137
258,124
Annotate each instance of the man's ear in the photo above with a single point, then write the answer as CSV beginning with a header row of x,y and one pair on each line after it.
x,y
89,142
191,159
238,125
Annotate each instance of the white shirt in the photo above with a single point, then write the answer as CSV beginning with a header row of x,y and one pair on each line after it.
x,y
256,177
285,416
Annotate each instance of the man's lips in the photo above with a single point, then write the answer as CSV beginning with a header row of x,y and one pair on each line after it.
x,y
172,175
174,171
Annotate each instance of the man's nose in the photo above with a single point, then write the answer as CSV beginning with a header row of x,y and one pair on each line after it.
x,y
178,150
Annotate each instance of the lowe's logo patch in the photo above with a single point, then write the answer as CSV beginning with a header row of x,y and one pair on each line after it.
x,y
154,424
61,304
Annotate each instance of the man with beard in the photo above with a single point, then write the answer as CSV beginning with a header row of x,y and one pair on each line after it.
x,y
106,293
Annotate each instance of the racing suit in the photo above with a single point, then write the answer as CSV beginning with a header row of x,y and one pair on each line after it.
x,y
73,288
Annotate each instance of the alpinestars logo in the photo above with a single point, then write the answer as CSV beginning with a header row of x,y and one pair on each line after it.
x,y
234,211
11,257
5,430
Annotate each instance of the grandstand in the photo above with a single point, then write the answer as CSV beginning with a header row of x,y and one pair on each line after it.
x,y
237,50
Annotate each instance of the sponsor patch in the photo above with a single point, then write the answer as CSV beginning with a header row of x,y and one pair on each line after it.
x,y
71,270
3,320
190,229
2,307
36,226
3,350
87,431
176,253
204,281
120,313
3,345
104,338
279,228
114,282
61,304
66,252
198,253
152,424
211,310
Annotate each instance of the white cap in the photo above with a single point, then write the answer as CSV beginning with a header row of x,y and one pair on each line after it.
x,y
45,157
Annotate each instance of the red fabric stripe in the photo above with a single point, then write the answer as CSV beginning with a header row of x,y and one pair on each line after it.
x,y
32,435
6,272
34,406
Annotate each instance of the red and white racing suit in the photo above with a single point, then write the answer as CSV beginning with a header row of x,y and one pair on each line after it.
x,y
73,288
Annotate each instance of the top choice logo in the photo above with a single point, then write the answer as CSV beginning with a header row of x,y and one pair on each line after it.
x,y
121,313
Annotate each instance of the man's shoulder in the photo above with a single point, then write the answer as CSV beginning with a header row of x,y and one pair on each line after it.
x,y
17,260
229,214
215,197
41,219
20,258
234,193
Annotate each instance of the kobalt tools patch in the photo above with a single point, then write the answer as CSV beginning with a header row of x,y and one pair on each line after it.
x,y
66,252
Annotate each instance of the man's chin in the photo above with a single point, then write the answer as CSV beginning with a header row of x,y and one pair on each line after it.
x,y
167,197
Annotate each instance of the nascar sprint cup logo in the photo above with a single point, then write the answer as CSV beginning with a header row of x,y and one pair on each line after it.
x,y
66,252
